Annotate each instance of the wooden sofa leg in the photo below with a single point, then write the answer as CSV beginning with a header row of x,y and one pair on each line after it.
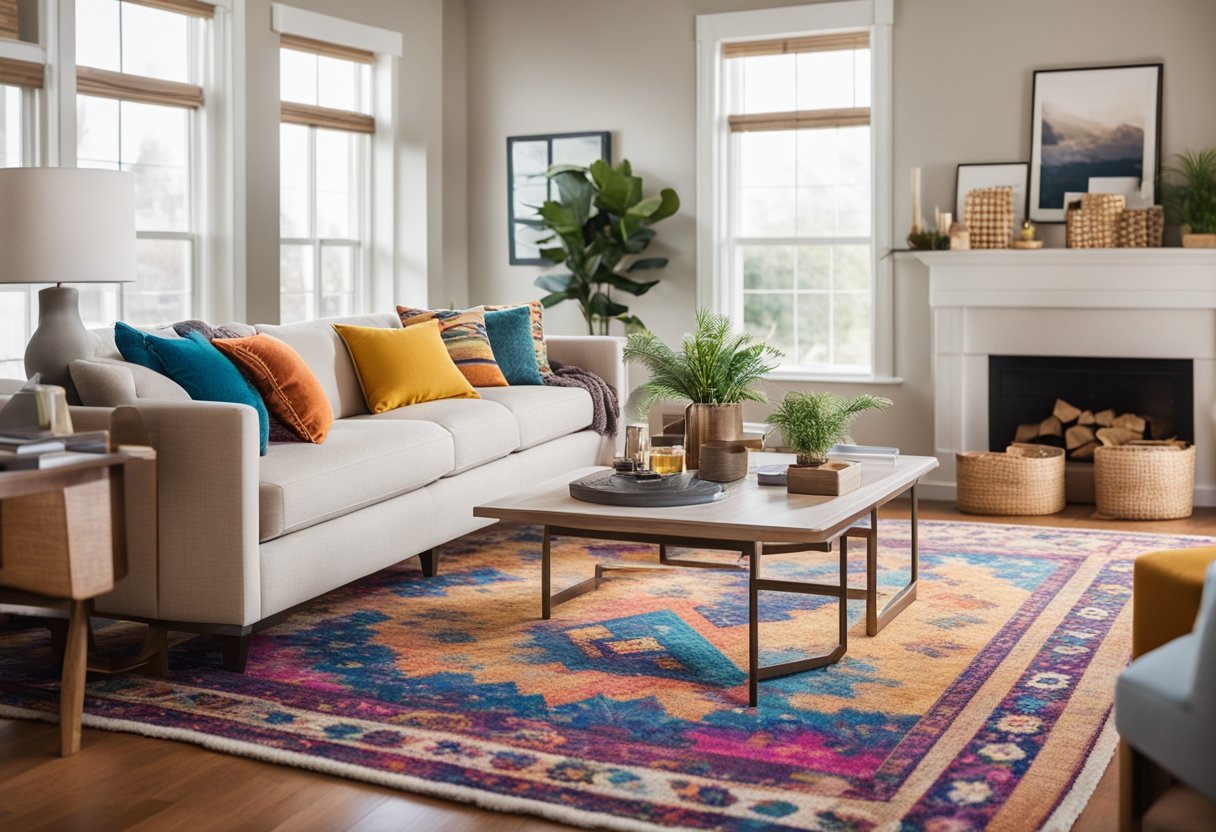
x,y
236,652
430,562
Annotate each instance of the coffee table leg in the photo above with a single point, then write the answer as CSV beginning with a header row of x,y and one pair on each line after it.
x,y
544,576
876,622
844,594
753,552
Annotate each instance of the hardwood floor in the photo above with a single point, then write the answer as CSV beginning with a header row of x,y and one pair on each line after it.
x,y
122,781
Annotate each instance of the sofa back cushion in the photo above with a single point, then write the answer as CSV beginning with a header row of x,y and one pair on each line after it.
x,y
104,382
104,345
325,354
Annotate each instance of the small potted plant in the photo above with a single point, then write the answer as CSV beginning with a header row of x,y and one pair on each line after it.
x,y
812,423
1191,196
716,369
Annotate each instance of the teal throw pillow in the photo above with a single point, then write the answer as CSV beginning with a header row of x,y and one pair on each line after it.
x,y
510,332
208,376
133,344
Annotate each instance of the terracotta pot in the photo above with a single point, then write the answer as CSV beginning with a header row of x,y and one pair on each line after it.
x,y
708,423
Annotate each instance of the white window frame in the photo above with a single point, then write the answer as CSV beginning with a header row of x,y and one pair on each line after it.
x,y
717,288
379,265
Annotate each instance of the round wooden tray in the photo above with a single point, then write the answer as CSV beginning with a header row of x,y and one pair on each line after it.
x,y
610,489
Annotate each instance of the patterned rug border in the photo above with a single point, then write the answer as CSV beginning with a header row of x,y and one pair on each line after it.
x,y
1095,529
1100,757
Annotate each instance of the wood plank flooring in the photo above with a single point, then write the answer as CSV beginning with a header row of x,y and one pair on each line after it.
x,y
123,781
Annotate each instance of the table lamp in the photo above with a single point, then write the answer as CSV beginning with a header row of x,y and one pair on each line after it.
x,y
64,225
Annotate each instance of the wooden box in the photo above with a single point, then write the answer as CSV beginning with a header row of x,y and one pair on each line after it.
x,y
831,479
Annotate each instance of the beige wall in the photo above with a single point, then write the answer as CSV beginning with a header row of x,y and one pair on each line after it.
x,y
962,94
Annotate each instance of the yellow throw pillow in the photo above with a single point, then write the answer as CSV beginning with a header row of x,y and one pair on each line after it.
x,y
399,367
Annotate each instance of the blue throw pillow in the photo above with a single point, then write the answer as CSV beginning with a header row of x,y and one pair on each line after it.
x,y
207,375
510,332
133,344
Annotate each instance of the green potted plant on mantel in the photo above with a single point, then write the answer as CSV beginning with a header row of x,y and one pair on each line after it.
x,y
1191,196
812,423
715,369
599,226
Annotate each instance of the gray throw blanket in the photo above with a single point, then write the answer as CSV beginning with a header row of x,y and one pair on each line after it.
x,y
607,410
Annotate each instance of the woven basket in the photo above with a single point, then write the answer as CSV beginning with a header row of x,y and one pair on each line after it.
x,y
1026,479
1144,482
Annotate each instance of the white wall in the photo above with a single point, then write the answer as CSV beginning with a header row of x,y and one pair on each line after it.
x,y
962,92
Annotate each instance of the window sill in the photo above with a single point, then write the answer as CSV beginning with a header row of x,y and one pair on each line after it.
x,y
831,378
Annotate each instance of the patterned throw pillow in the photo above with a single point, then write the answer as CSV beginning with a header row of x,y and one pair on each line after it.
x,y
536,310
464,335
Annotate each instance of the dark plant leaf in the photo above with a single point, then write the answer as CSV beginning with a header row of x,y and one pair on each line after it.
x,y
633,287
645,263
556,283
605,307
553,299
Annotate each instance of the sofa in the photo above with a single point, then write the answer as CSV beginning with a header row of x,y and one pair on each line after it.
x,y
241,539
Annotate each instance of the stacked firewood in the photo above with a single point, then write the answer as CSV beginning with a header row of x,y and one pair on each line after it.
x,y
1082,431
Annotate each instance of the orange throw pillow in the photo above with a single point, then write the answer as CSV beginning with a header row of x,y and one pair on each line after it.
x,y
291,391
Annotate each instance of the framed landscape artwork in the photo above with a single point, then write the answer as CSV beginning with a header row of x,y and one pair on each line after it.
x,y
998,174
528,159
1092,122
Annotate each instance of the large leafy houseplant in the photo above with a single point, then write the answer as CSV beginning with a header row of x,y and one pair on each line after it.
x,y
599,225
813,422
1191,190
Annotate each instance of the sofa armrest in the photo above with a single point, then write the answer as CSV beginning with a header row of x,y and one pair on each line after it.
x,y
600,354
207,491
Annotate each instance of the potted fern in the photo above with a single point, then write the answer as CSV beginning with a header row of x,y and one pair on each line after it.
x,y
811,424
1191,195
716,369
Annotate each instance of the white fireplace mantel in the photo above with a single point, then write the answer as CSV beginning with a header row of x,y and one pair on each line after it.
x,y
1113,303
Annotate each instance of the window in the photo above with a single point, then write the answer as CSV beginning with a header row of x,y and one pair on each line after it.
x,y
139,108
324,159
789,167
19,83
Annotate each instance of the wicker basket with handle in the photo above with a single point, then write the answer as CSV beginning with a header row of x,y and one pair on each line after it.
x,y
1025,480
1144,482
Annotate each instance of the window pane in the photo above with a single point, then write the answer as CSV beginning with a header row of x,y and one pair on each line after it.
x,y
529,158
853,162
769,84
98,304
812,331
97,132
298,76
577,150
767,267
817,211
339,84
861,78
161,266
526,247
766,212
853,210
338,270
10,127
817,157
296,284
335,201
155,43
851,268
155,148
770,317
767,158
851,329
98,34
15,330
814,268
825,80
293,181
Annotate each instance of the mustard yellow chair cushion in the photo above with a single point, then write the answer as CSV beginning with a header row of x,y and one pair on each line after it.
x,y
1167,588
399,367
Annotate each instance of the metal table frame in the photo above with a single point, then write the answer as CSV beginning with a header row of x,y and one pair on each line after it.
x,y
754,551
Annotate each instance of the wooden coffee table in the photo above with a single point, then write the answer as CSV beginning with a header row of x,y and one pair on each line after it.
x,y
753,520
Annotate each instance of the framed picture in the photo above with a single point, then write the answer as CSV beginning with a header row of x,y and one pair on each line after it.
x,y
528,159
996,174
1093,123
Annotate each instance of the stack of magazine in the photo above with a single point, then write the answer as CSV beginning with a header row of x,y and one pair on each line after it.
x,y
27,450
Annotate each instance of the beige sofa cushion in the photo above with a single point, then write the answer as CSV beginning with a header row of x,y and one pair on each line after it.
x,y
481,430
104,346
543,413
323,351
361,463
105,382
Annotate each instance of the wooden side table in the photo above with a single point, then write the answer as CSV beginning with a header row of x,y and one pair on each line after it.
x,y
63,537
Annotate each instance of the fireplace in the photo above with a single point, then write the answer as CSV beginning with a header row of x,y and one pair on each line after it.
x,y
1024,389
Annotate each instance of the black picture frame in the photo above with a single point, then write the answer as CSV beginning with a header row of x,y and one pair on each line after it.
x,y
1095,165
999,174
519,256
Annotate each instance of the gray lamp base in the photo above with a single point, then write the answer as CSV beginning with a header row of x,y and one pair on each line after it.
x,y
60,338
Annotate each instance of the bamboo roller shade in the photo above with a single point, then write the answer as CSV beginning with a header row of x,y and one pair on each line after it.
x,y
800,120
8,19
330,50
194,8
20,73
326,117
108,84
789,46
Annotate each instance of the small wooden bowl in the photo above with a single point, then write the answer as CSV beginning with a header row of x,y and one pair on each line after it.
x,y
723,461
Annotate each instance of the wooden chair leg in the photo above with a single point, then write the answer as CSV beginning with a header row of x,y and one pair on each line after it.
x,y
71,691
429,560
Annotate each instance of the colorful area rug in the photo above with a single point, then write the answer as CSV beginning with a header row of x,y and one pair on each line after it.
x,y
985,705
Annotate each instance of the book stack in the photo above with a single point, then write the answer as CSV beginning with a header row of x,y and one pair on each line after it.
x,y
35,450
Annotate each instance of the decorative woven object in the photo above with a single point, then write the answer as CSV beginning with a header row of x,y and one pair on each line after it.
x,y
1144,482
989,217
1140,227
723,461
1025,480
1094,225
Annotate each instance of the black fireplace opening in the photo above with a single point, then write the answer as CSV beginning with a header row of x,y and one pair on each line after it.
x,y
1024,389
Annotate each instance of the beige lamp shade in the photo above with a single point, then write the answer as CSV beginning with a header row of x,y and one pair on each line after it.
x,y
66,225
